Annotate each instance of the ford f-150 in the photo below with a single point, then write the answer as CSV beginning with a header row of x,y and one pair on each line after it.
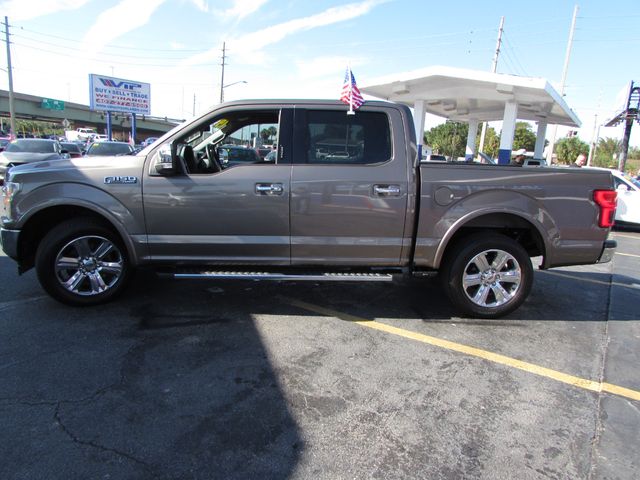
x,y
345,198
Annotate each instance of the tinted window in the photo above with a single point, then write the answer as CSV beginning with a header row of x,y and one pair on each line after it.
x,y
337,138
234,155
99,148
31,146
71,147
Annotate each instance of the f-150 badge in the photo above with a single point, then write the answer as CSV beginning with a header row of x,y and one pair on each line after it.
x,y
126,179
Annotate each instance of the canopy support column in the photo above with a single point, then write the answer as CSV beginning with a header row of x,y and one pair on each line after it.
x,y
470,151
540,134
419,117
508,131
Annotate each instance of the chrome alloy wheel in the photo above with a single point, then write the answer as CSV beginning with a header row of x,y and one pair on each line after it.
x,y
492,278
89,265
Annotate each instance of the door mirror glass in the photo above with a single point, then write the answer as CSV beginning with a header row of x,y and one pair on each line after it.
x,y
163,160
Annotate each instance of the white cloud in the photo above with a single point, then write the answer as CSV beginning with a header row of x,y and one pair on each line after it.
x,y
326,66
28,9
247,45
116,21
243,8
201,5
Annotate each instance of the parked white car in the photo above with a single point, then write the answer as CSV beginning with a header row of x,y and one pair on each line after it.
x,y
628,188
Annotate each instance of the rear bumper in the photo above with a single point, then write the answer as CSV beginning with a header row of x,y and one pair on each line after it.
x,y
608,250
9,240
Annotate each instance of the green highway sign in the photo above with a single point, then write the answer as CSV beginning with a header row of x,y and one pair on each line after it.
x,y
51,104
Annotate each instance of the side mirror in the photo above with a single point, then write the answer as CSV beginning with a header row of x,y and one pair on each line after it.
x,y
163,160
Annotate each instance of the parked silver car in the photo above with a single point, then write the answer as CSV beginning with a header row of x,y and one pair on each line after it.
x,y
27,150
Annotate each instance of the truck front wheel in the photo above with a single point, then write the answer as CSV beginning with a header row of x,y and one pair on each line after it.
x,y
487,275
81,262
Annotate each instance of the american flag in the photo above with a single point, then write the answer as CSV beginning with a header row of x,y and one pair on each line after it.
x,y
350,93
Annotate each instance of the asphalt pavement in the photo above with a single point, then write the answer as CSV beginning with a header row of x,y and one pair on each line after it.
x,y
242,379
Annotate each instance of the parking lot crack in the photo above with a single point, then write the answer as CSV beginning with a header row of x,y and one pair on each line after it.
x,y
599,425
75,439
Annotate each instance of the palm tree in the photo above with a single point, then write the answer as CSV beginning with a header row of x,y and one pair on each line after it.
x,y
605,150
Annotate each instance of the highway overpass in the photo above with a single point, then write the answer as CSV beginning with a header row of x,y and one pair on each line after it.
x,y
31,107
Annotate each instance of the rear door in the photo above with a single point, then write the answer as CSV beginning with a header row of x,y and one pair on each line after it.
x,y
348,187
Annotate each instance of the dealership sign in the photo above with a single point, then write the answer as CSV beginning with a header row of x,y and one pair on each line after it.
x,y
118,95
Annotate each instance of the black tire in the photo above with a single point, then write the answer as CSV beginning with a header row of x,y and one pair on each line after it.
x,y
81,262
487,275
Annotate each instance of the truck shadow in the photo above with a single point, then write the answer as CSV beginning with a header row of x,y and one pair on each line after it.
x,y
161,384
556,295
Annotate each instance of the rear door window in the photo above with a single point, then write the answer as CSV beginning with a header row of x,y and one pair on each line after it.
x,y
333,137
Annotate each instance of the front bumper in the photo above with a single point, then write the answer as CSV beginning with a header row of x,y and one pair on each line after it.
x,y
9,240
608,251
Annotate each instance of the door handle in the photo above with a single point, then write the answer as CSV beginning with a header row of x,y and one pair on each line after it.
x,y
387,190
269,188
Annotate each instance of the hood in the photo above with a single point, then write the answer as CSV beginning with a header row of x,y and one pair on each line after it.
x,y
77,168
19,158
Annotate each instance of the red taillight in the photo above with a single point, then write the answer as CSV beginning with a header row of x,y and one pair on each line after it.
x,y
606,200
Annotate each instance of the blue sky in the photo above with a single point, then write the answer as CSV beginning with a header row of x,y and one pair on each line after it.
x,y
299,48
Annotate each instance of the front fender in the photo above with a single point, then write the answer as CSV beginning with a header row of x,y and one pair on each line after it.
x,y
125,215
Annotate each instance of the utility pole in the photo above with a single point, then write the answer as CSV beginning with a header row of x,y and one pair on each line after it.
x,y
224,57
194,104
494,67
594,140
565,69
12,109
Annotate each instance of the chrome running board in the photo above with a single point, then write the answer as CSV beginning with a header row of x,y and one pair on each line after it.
x,y
324,277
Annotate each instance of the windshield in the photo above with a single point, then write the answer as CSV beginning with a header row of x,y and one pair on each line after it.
x,y
71,147
99,148
31,146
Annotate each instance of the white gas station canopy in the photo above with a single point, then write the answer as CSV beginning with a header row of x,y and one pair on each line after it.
x,y
464,95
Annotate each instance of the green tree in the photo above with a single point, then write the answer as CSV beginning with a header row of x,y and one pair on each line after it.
x,y
568,149
448,138
605,151
491,142
524,137
634,153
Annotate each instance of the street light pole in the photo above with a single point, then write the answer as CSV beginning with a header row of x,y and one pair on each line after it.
x,y
228,85
12,109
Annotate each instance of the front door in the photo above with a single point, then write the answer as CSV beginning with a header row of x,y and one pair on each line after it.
x,y
233,209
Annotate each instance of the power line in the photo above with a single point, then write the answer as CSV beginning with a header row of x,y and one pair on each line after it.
x,y
386,41
127,47
99,53
164,65
511,47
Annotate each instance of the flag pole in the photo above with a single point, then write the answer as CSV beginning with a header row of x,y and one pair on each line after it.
x,y
350,112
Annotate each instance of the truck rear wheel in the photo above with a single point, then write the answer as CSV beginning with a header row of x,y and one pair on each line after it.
x,y
487,275
81,262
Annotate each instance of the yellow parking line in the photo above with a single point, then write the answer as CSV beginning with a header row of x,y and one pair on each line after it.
x,y
590,280
475,352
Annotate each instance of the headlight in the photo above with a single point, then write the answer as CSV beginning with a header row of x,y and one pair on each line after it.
x,y
9,189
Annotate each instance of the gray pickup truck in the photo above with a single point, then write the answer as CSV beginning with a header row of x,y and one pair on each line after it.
x,y
343,198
